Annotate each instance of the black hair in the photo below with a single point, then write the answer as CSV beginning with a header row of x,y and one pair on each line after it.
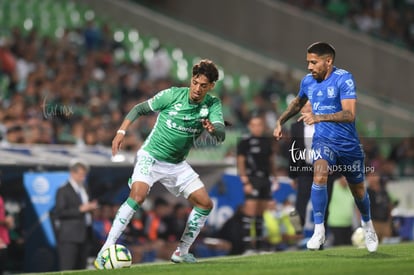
x,y
257,114
322,48
208,68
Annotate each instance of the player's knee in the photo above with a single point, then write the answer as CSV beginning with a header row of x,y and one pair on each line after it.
x,y
206,203
203,202
139,191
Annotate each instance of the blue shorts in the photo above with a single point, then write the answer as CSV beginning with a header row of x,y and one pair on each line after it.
x,y
349,163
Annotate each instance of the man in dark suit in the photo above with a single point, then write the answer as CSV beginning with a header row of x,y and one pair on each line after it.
x,y
72,218
300,164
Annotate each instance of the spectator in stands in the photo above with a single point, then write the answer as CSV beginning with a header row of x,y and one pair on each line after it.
x,y
273,87
402,154
388,20
176,222
7,62
160,65
341,213
278,228
102,221
6,223
381,205
232,232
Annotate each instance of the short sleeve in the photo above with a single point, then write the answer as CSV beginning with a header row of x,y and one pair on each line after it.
x,y
216,111
242,147
302,91
347,87
161,100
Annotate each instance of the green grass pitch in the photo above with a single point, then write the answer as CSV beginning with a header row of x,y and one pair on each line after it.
x,y
389,259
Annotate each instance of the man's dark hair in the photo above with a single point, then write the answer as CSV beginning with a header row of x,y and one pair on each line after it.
x,y
208,68
322,48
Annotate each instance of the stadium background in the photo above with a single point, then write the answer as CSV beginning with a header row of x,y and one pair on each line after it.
x,y
256,43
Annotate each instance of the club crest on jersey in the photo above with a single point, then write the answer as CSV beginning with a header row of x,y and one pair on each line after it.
x,y
204,111
331,92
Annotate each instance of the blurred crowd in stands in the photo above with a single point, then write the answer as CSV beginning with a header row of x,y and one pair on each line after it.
x,y
74,91
389,20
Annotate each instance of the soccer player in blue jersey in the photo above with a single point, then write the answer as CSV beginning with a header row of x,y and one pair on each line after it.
x,y
336,146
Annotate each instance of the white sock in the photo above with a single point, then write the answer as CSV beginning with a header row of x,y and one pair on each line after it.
x,y
367,225
122,219
320,228
195,222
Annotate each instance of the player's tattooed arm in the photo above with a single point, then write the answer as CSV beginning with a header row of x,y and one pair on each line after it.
x,y
342,116
347,114
294,107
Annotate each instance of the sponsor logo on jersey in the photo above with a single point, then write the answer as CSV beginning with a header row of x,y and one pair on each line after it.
x,y
327,108
316,106
174,125
320,93
350,83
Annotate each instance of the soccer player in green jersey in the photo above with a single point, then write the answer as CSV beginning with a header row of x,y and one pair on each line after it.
x,y
184,113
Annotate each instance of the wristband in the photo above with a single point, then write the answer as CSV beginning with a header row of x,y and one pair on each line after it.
x,y
121,132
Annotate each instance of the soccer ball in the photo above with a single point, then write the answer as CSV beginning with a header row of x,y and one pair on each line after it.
x,y
358,238
117,256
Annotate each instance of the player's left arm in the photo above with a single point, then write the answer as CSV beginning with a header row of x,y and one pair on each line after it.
x,y
347,114
272,162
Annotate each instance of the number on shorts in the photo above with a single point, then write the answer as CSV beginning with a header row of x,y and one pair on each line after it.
x,y
145,163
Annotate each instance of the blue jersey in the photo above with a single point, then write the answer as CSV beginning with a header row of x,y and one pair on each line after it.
x,y
325,97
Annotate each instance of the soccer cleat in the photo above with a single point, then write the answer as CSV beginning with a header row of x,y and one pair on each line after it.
x,y
99,262
371,240
317,240
186,258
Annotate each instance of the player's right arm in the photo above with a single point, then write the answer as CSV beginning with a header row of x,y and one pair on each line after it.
x,y
158,102
137,111
241,166
294,107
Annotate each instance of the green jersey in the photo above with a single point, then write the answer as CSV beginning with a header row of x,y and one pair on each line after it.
x,y
179,123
